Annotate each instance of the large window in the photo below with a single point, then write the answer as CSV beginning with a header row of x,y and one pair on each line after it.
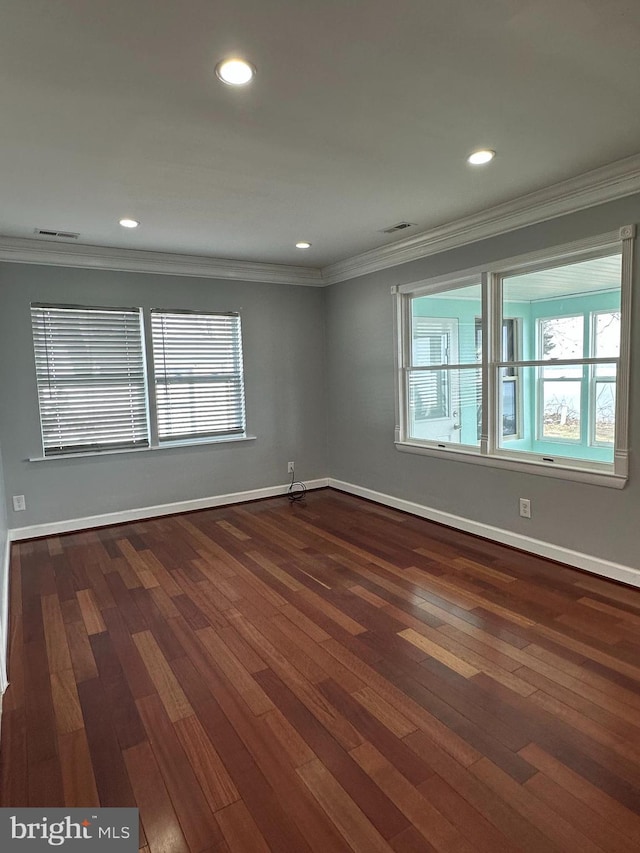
x,y
91,371
522,364
91,378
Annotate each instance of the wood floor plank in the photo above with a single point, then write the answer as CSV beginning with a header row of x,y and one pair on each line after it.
x,y
439,653
84,665
66,704
55,635
78,780
161,825
172,696
213,776
114,788
240,830
385,712
345,814
90,612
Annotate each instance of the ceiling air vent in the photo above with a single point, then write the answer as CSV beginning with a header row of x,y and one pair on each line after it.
x,y
399,227
61,235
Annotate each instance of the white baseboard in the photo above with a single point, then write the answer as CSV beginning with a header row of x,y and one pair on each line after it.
x,y
4,616
67,526
595,565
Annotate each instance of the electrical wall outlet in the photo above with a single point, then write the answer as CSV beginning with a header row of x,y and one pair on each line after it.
x,y
290,467
19,503
525,507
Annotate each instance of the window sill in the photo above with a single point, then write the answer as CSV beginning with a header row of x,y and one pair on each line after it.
x,y
168,445
581,475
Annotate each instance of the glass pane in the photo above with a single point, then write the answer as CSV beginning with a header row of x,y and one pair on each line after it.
x,y
510,349
604,415
430,395
444,405
509,407
443,326
607,334
561,410
561,337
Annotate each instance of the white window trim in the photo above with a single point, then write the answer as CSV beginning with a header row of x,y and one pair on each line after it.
x,y
597,473
166,445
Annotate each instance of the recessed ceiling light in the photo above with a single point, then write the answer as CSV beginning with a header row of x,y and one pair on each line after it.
x,y
129,223
479,158
235,72
303,244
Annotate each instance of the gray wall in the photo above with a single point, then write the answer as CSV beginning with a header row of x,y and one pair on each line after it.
x,y
593,519
283,333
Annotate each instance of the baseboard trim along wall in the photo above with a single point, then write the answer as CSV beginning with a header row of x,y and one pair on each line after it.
x,y
595,565
68,526
4,616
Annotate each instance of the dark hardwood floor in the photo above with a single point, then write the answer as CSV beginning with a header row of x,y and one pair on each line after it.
x,y
326,676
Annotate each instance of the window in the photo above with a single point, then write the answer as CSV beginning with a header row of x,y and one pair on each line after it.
x,y
197,366
522,364
91,378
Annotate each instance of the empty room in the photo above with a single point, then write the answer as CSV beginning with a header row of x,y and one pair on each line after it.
x,y
320,426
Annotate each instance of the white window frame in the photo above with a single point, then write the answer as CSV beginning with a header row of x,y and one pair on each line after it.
x,y
613,474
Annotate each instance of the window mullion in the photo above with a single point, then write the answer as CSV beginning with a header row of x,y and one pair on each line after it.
x,y
152,409
491,339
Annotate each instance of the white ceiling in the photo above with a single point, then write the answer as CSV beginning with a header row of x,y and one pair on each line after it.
x,y
361,115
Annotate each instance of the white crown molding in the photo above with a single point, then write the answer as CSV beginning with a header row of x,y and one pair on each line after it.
x,y
26,251
586,562
599,186
589,189
69,525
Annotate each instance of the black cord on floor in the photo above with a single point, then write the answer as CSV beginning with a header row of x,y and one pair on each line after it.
x,y
296,489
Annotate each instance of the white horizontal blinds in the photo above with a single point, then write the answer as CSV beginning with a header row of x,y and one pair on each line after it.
x,y
198,374
91,378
